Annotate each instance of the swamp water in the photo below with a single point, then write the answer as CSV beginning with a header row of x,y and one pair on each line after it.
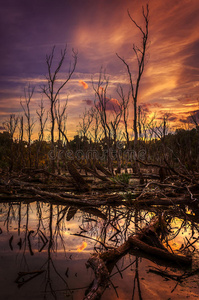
x,y
44,249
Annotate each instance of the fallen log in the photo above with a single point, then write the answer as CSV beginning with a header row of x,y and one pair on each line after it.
x,y
177,258
101,280
162,201
102,169
80,183
48,174
93,172
100,263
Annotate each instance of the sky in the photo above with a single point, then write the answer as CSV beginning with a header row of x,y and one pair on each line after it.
x,y
98,30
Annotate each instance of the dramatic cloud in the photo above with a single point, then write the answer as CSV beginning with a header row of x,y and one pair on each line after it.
x,y
84,84
98,31
88,102
191,117
113,105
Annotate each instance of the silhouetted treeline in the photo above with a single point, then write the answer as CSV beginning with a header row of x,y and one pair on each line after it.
x,y
179,149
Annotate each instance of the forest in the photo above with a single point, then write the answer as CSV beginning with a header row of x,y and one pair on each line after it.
x,y
117,200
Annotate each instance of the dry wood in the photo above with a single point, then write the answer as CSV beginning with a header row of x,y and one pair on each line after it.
x,y
181,259
100,262
102,169
100,282
80,183
94,172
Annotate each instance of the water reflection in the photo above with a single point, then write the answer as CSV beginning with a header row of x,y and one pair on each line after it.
x,y
45,247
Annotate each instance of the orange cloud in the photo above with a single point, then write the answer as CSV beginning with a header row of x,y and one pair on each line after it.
x,y
84,84
82,247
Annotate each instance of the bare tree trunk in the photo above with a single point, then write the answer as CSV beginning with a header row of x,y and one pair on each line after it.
x,y
30,123
140,55
52,90
11,126
42,123
101,107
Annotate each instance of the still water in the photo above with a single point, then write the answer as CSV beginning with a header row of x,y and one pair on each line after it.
x,y
44,249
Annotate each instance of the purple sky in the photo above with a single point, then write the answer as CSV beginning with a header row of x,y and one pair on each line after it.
x,y
99,29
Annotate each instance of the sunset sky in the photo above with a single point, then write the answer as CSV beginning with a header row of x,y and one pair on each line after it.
x,y
99,30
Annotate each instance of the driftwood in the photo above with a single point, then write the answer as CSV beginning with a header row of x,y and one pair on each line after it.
x,y
162,201
22,191
143,240
177,258
100,282
168,167
102,169
93,172
48,174
80,183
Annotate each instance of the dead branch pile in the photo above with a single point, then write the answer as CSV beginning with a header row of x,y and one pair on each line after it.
x,y
146,240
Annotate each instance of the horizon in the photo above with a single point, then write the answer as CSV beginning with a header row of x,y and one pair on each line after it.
x,y
169,85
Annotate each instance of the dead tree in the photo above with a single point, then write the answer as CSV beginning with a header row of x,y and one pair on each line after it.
x,y
60,114
42,123
61,117
140,55
21,136
116,121
53,89
86,120
101,107
125,109
101,103
30,122
161,130
42,120
96,126
117,115
143,122
11,126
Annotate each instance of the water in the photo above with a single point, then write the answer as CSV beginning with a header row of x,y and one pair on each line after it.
x,y
44,249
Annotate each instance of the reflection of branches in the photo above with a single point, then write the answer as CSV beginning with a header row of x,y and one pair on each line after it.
x,y
26,243
58,230
174,276
98,241
136,279
49,261
8,218
24,277
110,226
26,235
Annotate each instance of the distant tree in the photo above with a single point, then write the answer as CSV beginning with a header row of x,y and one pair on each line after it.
x,y
125,110
21,160
61,117
85,123
42,123
101,103
28,94
5,150
140,53
101,106
11,126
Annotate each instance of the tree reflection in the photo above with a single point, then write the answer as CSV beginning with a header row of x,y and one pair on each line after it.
x,y
40,229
